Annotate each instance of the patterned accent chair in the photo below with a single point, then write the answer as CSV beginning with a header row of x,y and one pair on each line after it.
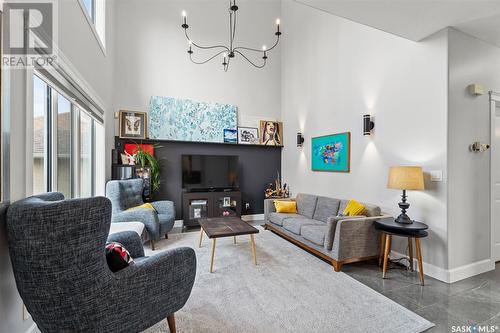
x,y
125,194
58,258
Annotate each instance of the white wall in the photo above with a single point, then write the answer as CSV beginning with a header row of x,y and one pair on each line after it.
x,y
333,72
470,61
151,57
79,45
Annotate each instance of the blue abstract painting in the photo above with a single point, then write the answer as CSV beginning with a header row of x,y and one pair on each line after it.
x,y
188,120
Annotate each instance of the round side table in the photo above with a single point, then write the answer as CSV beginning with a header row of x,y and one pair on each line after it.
x,y
389,228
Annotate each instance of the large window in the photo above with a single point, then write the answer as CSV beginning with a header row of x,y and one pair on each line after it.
x,y
95,13
41,102
89,6
64,142
64,139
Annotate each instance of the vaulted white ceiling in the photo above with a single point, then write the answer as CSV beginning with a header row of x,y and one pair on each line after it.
x,y
418,19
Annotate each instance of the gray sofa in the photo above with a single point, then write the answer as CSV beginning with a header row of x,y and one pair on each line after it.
x,y
317,228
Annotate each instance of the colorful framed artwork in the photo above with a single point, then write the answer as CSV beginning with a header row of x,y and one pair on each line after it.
x,y
248,136
188,120
230,136
331,153
133,124
271,133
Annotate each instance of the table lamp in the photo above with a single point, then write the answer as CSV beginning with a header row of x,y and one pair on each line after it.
x,y
405,178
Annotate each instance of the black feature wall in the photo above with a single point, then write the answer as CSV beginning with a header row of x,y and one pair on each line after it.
x,y
259,166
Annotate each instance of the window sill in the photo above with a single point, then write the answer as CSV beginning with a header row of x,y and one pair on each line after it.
x,y
92,27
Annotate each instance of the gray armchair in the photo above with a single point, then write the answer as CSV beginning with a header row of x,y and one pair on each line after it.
x,y
57,249
125,194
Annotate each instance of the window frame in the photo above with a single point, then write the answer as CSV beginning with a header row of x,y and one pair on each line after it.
x,y
50,172
98,18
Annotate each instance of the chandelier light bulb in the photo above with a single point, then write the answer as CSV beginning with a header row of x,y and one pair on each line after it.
x,y
190,42
278,21
264,48
184,14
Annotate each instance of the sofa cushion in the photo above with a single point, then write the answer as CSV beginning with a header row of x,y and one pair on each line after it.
x,y
314,233
326,207
343,205
306,204
372,210
295,224
278,218
285,206
354,208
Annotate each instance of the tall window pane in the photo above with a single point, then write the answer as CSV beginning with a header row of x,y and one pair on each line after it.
x,y
64,146
40,156
85,155
99,169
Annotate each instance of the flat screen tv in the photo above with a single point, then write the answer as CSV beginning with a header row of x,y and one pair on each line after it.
x,y
201,173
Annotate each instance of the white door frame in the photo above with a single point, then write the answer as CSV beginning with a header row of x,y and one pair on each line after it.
x,y
494,101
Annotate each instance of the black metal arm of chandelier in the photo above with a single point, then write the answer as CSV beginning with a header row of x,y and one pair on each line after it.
x,y
229,52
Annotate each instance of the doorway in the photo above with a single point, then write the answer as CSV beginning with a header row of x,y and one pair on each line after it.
x,y
495,175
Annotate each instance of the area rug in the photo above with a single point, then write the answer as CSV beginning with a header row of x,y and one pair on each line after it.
x,y
289,290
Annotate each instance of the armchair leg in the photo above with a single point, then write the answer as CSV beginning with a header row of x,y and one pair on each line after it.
x,y
166,236
171,323
152,245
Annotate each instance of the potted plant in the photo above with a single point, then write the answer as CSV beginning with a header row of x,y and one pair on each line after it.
x,y
145,159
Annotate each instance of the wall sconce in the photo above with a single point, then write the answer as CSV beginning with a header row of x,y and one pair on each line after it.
x,y
368,124
300,139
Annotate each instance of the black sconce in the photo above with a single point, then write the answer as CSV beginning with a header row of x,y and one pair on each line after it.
x,y
300,139
368,124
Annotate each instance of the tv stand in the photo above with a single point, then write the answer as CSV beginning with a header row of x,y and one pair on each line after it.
x,y
198,205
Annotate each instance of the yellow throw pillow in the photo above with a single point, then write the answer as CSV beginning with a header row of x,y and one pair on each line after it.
x,y
147,205
354,208
285,206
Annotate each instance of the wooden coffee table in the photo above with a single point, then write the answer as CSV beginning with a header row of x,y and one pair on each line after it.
x,y
226,227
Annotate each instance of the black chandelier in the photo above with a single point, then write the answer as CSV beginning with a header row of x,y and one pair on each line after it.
x,y
229,52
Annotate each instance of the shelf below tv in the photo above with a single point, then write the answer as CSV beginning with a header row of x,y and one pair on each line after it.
x,y
198,205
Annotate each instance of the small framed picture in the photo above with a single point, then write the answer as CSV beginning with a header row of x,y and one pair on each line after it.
x,y
248,136
271,133
133,124
227,202
230,136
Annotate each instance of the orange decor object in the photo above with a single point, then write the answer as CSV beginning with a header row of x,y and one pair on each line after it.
x,y
131,148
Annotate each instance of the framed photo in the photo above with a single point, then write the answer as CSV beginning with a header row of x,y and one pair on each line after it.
x,y
230,136
248,135
331,152
271,133
133,124
226,202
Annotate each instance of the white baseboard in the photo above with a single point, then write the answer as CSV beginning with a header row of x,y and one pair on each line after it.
x,y
465,271
452,275
436,272
496,252
254,217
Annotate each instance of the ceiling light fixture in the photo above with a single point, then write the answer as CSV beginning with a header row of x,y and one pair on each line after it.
x,y
229,52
